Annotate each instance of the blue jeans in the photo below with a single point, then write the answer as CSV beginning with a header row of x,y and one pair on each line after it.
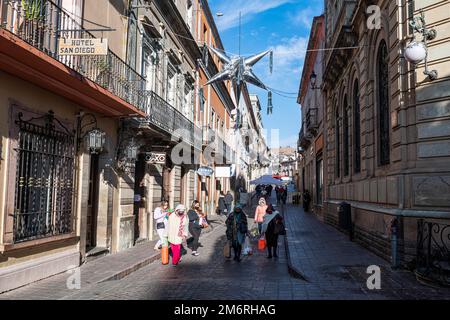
x,y
260,227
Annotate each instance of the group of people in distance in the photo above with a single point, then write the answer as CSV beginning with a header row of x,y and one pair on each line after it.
x,y
174,226
269,223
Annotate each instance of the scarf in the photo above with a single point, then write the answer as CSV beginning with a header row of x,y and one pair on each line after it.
x,y
181,227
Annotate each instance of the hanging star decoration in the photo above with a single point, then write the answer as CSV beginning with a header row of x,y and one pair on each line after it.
x,y
238,69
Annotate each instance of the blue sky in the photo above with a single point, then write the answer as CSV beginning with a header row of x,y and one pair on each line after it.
x,y
284,26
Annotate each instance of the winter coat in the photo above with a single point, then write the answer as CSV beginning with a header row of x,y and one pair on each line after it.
x,y
173,228
237,228
260,212
222,205
229,198
271,237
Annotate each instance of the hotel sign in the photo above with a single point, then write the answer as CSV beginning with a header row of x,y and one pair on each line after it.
x,y
83,47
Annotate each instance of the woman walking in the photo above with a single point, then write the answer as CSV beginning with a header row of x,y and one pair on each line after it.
x,y
195,226
260,212
159,215
221,205
273,227
177,232
237,229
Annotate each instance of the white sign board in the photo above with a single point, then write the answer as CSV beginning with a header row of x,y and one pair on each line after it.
x,y
83,47
223,172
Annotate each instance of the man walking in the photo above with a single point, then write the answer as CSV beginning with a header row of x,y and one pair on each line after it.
x,y
228,201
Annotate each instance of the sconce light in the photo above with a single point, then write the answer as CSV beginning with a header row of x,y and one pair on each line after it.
x,y
417,51
313,80
95,139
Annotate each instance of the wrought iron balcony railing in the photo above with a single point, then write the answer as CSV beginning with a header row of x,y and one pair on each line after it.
x,y
167,118
41,23
311,120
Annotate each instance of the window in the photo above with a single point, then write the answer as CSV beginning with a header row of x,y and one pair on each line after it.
x,y
44,187
356,128
205,34
188,109
383,105
132,40
150,68
189,15
346,138
337,144
171,85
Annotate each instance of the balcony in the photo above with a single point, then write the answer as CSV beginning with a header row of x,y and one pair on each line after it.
x,y
304,140
162,116
312,121
40,26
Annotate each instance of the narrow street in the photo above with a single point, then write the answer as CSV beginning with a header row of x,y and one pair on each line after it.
x,y
334,268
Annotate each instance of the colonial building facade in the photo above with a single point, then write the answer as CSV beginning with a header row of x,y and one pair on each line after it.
x,y
91,144
386,130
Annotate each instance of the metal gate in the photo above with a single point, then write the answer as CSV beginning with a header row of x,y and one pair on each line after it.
x,y
44,179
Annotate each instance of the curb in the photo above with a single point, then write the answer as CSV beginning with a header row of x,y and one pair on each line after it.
x,y
139,265
293,271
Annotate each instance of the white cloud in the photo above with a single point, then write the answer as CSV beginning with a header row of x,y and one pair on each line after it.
x,y
303,17
248,8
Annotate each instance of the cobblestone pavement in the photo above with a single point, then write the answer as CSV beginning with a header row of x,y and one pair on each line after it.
x,y
334,267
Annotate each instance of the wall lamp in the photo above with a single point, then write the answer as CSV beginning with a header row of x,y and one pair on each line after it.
x,y
417,51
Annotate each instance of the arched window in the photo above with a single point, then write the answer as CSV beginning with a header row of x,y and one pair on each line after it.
x,y
338,144
383,104
356,128
346,137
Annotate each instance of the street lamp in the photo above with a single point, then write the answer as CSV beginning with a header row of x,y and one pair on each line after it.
x,y
313,81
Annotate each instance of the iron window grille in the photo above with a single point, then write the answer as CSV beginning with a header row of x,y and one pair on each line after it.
x,y
45,182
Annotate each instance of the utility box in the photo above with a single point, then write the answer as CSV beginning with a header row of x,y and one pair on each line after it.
x,y
345,217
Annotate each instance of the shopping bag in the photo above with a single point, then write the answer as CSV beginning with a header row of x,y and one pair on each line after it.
x,y
227,251
247,251
262,243
165,255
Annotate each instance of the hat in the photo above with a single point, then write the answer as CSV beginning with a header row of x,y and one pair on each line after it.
x,y
180,208
238,206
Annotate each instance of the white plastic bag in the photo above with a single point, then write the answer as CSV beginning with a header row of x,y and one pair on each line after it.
x,y
247,251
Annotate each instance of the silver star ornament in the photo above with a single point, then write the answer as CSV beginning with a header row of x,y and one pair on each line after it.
x,y
238,69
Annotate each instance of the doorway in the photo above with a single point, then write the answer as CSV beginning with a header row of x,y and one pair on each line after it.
x,y
92,212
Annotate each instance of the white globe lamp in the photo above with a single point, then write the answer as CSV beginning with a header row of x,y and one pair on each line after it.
x,y
416,52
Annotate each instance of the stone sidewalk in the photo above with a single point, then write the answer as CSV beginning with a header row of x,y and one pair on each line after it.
x,y
103,269
327,259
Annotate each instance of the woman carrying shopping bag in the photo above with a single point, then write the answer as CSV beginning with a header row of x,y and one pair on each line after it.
x,y
273,227
260,212
159,215
178,227
237,229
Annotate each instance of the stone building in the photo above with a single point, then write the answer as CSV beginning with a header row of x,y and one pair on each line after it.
x,y
387,124
312,158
